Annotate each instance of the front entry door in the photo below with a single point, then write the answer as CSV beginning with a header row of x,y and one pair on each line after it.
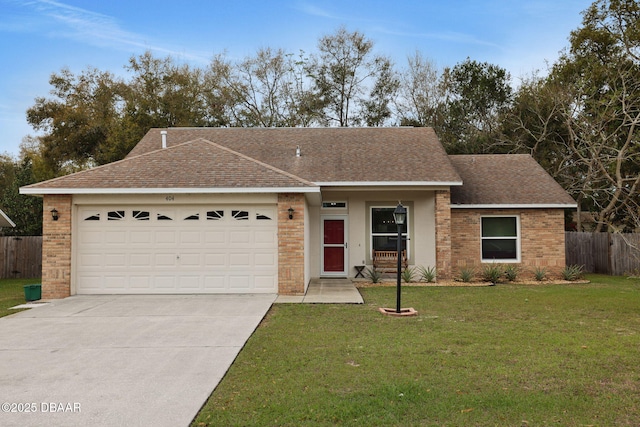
x,y
334,246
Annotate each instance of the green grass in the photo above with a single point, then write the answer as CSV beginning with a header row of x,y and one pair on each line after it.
x,y
12,294
508,355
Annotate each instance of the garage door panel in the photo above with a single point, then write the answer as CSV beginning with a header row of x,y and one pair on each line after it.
x,y
115,237
90,282
165,282
215,260
264,282
190,237
215,237
215,283
152,249
267,237
189,282
91,238
239,260
240,237
190,259
266,259
161,260
239,283
165,237
116,282
141,237
140,260
140,282
91,260
115,260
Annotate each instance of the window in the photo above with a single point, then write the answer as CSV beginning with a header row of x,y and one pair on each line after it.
x,y
240,215
262,217
500,238
215,215
141,215
334,205
163,217
95,217
194,217
384,232
115,215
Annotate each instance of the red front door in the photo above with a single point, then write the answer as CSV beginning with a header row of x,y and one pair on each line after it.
x,y
333,246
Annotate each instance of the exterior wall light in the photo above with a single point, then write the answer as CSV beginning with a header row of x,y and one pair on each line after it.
x,y
291,211
54,214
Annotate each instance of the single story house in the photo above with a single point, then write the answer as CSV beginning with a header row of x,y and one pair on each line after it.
x,y
233,210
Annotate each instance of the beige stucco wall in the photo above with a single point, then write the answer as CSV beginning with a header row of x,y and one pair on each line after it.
x,y
421,205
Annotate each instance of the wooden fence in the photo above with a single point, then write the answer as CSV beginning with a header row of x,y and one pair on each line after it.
x,y
21,257
605,253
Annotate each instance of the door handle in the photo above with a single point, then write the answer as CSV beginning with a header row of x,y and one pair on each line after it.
x,y
346,245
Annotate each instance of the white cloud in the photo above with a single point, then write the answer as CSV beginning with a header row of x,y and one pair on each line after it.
x,y
96,29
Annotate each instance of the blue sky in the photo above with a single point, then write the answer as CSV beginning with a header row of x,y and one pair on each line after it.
x,y
39,37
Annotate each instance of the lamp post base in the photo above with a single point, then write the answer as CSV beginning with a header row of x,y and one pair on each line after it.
x,y
404,312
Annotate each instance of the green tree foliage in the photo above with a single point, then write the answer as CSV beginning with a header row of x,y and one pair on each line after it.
x,y
344,72
24,211
477,95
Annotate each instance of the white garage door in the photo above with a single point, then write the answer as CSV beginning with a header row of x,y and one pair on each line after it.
x,y
177,249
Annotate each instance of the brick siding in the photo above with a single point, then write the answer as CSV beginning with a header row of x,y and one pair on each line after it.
x,y
542,239
291,244
56,247
443,234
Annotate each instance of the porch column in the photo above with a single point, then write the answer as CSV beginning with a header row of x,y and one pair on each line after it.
x,y
443,234
56,247
291,244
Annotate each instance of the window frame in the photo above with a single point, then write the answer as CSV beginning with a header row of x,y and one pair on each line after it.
x,y
517,238
405,235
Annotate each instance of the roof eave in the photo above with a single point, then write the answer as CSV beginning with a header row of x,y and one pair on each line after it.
x,y
515,206
389,183
36,191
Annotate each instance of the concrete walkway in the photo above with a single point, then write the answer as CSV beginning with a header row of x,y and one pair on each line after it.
x,y
117,360
326,291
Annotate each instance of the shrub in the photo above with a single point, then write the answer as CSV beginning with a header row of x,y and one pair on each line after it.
x,y
540,273
572,272
408,275
511,272
427,274
373,275
492,273
466,274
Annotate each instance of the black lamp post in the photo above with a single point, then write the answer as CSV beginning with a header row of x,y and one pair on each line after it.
x,y
400,216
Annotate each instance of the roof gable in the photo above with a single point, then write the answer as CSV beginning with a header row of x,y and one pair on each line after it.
x,y
197,164
506,180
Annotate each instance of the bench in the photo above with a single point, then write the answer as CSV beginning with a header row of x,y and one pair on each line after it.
x,y
387,261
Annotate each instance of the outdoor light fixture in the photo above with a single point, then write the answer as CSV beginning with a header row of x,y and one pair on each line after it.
x,y
54,214
400,216
290,210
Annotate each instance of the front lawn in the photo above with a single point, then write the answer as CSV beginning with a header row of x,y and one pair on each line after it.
x,y
507,355
12,294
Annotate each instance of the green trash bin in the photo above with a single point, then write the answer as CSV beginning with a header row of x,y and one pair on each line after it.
x,y
33,292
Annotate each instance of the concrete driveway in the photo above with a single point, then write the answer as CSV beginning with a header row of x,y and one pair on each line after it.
x,y
121,360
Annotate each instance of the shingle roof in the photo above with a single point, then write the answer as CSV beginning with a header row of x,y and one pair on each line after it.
x,y
194,164
505,179
329,154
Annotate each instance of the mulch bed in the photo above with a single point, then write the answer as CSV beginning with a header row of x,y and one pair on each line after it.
x,y
366,284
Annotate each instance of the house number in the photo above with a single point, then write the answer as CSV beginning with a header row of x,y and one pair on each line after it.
x,y
169,198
